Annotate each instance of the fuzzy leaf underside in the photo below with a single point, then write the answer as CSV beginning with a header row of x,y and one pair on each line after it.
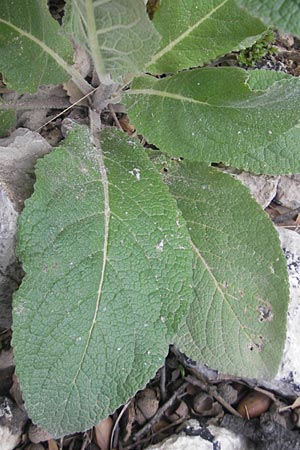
x,y
236,322
32,50
194,32
117,33
103,294
282,14
212,115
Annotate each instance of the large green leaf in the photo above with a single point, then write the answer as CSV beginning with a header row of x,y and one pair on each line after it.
x,y
236,322
108,267
196,32
283,14
32,50
117,33
212,115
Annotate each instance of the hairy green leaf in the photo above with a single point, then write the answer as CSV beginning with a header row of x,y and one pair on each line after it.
x,y
212,115
117,33
108,266
32,50
282,14
236,322
7,120
261,80
196,32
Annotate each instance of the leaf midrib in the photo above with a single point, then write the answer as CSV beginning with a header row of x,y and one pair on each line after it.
x,y
165,94
93,42
182,36
239,105
105,183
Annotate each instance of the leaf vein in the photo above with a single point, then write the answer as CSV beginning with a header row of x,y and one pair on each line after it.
x,y
182,36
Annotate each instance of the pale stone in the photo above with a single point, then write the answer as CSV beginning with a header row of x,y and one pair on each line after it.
x,y
290,364
218,435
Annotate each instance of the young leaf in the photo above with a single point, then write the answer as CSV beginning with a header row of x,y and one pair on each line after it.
x,y
196,32
236,322
212,115
118,34
284,15
32,51
7,120
261,80
108,266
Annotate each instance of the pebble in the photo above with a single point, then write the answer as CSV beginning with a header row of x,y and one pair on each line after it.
x,y
12,421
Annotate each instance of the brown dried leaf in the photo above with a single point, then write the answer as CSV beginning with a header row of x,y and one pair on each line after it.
x,y
52,445
152,7
147,404
228,392
37,434
6,359
82,61
103,432
15,391
34,447
202,403
75,93
126,125
181,412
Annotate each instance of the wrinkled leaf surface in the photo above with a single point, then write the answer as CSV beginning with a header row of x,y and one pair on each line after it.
x,y
282,14
262,79
118,34
194,32
212,115
32,50
108,264
236,322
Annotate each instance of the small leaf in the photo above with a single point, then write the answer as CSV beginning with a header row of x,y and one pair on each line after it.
x,y
261,80
118,34
108,266
32,50
196,32
236,322
212,115
284,15
7,121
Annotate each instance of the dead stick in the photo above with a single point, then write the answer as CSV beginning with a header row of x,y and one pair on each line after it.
x,y
111,110
161,411
211,390
116,424
162,430
162,383
36,103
